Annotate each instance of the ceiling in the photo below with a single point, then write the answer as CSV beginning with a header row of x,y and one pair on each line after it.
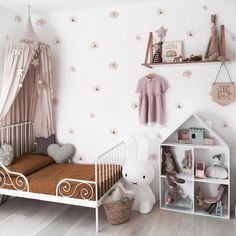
x,y
48,6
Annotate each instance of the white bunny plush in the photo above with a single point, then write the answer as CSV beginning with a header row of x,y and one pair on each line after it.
x,y
138,173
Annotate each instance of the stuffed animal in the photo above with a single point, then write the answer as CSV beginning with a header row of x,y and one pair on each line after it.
x,y
157,58
138,173
213,48
170,168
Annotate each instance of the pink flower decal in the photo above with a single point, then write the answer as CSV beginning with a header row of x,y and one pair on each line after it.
x,y
73,19
18,19
94,45
190,33
114,14
179,105
113,131
113,66
205,7
225,124
56,41
187,74
138,37
92,115
71,131
134,105
41,22
73,68
160,12
97,88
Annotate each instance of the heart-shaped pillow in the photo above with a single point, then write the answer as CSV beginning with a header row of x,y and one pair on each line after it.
x,y
60,154
6,154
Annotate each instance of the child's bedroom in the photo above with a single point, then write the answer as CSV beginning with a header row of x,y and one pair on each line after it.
x,y
117,117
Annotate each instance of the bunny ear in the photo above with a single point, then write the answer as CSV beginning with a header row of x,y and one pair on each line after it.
x,y
143,148
132,148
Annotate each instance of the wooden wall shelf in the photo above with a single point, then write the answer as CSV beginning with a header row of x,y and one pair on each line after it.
x,y
151,65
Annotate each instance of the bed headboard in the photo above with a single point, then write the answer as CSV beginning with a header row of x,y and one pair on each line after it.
x,y
21,136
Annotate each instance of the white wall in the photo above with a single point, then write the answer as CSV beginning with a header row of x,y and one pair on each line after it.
x,y
117,41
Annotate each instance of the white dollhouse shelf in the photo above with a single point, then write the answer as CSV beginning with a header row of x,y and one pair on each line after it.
x,y
199,153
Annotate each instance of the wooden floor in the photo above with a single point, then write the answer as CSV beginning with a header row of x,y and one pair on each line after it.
x,y
24,217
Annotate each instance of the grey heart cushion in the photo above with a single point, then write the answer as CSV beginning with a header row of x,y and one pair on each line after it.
x,y
61,154
6,154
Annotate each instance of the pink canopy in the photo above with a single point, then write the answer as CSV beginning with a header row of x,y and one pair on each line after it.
x,y
26,93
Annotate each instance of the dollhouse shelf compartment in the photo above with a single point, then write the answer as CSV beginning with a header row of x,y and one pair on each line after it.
x,y
199,153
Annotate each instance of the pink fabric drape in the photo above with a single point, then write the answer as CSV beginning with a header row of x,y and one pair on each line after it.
x,y
28,98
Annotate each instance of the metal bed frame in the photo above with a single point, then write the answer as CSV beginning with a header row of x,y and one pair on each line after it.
x,y
21,136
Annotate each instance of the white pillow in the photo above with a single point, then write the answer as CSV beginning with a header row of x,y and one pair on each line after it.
x,y
6,154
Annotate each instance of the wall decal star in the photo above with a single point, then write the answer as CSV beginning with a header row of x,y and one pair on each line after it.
x,y
35,62
73,19
113,65
160,12
94,44
161,33
113,131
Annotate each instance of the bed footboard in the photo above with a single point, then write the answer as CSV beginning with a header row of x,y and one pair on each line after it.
x,y
108,168
13,180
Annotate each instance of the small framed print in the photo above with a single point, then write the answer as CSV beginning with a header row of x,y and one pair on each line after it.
x,y
171,50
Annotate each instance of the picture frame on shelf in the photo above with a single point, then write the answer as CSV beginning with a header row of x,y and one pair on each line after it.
x,y
171,51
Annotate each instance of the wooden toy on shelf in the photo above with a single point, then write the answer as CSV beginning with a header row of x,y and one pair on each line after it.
x,y
183,136
200,170
196,135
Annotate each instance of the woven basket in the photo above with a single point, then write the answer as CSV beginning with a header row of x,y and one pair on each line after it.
x,y
118,212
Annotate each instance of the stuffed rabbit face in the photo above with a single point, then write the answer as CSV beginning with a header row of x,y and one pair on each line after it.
x,y
138,172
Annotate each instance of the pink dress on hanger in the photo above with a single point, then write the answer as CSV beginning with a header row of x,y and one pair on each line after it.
x,y
151,107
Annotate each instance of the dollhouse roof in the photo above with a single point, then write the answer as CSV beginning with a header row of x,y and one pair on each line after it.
x,y
195,121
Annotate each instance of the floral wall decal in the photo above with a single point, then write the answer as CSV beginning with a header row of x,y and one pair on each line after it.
x,y
73,68
81,157
114,14
190,33
113,131
113,66
153,157
134,105
179,105
71,131
225,124
18,19
73,19
92,115
138,37
97,88
160,11
205,7
56,41
187,74
41,22
94,45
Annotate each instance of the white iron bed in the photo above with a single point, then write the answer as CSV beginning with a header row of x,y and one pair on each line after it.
x,y
21,136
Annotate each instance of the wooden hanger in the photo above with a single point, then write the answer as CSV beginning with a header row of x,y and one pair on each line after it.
x,y
151,76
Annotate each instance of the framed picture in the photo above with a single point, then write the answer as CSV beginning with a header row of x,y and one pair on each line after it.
x,y
171,50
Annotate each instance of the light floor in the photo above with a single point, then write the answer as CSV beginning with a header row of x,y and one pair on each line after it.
x,y
24,217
